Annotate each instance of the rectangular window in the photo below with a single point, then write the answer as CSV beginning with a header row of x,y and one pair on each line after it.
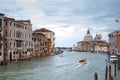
x,y
18,34
14,24
34,39
6,23
10,44
6,45
18,44
10,23
5,33
19,26
0,46
0,35
0,22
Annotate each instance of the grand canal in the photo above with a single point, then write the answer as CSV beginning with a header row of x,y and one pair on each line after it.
x,y
58,68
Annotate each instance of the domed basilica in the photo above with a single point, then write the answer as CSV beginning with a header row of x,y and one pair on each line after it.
x,y
88,37
91,44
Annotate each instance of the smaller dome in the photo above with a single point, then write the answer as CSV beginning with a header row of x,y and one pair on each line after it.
x,y
98,37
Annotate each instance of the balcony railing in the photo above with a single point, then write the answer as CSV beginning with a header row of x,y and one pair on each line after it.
x,y
19,48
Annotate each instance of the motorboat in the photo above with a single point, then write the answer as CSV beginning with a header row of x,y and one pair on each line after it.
x,y
113,58
83,61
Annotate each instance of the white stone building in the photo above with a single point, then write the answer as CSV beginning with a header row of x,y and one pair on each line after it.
x,y
49,34
90,44
1,36
17,39
114,40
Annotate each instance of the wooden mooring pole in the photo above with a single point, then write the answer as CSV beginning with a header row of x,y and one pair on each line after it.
x,y
109,71
118,62
106,73
111,78
115,68
95,76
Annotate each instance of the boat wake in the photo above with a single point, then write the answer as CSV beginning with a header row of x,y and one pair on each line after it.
x,y
78,65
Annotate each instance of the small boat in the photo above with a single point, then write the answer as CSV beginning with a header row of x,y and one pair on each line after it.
x,y
113,58
58,51
61,55
83,61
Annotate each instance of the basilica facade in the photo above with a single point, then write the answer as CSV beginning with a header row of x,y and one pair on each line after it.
x,y
90,44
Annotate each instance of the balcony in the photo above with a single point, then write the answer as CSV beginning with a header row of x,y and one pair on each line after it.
x,y
18,39
19,48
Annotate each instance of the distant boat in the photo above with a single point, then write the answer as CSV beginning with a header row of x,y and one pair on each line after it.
x,y
83,61
58,51
69,49
61,55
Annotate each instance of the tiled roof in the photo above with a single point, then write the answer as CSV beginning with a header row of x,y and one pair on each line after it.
x,y
101,41
43,30
23,21
6,18
1,14
83,42
40,34
114,32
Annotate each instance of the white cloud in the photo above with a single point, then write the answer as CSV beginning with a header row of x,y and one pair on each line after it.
x,y
60,0
27,1
69,19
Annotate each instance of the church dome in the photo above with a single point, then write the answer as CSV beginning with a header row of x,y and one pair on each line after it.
x,y
88,37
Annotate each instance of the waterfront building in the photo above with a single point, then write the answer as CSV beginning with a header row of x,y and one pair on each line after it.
x,y
114,41
114,45
100,46
83,46
17,39
18,42
98,37
92,45
1,37
74,47
49,34
41,44
38,43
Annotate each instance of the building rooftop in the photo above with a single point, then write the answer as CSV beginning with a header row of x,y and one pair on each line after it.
x,y
43,30
38,34
23,21
1,14
8,18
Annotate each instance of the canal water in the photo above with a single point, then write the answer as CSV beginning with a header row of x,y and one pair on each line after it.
x,y
58,68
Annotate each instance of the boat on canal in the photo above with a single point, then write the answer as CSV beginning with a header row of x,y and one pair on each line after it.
x,y
83,61
113,58
57,51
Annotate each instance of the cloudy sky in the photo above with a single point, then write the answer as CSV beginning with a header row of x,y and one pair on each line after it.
x,y
69,19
